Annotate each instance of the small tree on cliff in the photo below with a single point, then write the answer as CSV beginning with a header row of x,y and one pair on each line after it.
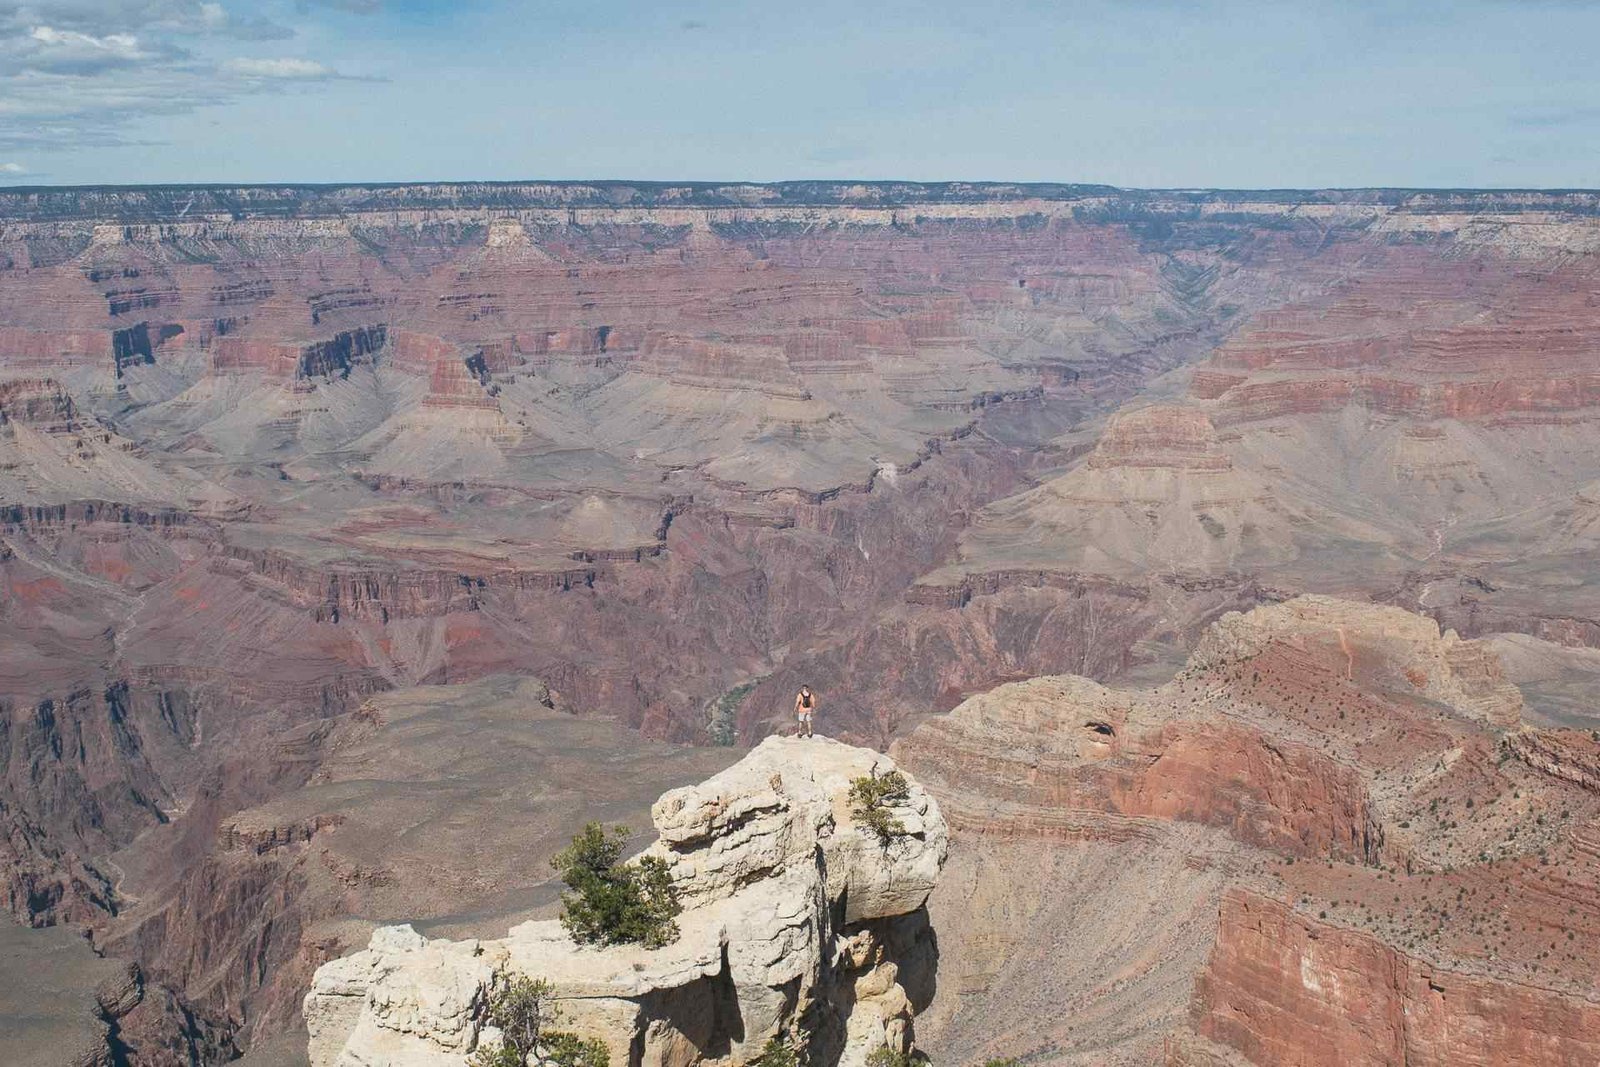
x,y
611,902
527,1020
870,798
779,1051
888,1057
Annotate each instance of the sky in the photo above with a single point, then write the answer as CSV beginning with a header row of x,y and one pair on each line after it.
x,y
1148,93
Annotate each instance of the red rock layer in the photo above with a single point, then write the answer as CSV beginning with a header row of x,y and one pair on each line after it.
x,y
452,384
1358,763
20,347
418,353
346,593
1282,988
1442,342
1285,797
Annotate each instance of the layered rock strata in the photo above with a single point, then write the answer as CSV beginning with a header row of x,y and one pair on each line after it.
x,y
797,920
1285,988
679,448
1329,839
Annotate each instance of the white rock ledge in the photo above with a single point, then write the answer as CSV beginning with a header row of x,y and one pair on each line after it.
x,y
795,918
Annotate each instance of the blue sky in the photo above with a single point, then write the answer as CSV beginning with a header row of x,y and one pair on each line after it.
x,y
1139,93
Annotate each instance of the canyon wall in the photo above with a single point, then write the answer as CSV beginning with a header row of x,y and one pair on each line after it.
x,y
1284,988
269,455
1330,838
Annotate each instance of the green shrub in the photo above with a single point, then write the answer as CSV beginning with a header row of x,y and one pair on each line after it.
x,y
527,1020
887,1057
611,902
777,1052
870,798
499,1056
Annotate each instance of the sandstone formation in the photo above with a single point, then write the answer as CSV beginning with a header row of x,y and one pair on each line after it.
x,y
1333,834
797,920
1345,998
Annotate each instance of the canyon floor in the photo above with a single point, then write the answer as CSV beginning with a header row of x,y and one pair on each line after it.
x,y
358,543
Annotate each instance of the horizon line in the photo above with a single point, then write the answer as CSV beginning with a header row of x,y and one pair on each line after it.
x,y
712,183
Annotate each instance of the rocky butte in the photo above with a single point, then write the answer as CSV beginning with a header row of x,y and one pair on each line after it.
x,y
798,921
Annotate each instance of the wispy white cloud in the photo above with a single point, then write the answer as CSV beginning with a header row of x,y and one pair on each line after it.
x,y
359,7
159,17
287,69
82,73
48,49
217,20
12,168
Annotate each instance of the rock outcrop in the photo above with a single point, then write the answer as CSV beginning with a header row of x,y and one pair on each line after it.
x,y
1328,839
1265,732
797,920
1395,647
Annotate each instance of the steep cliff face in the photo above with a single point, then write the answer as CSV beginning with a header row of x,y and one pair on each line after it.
x,y
1268,732
1284,988
797,920
81,774
1335,837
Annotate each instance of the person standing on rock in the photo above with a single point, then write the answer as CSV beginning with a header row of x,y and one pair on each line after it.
x,y
805,702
